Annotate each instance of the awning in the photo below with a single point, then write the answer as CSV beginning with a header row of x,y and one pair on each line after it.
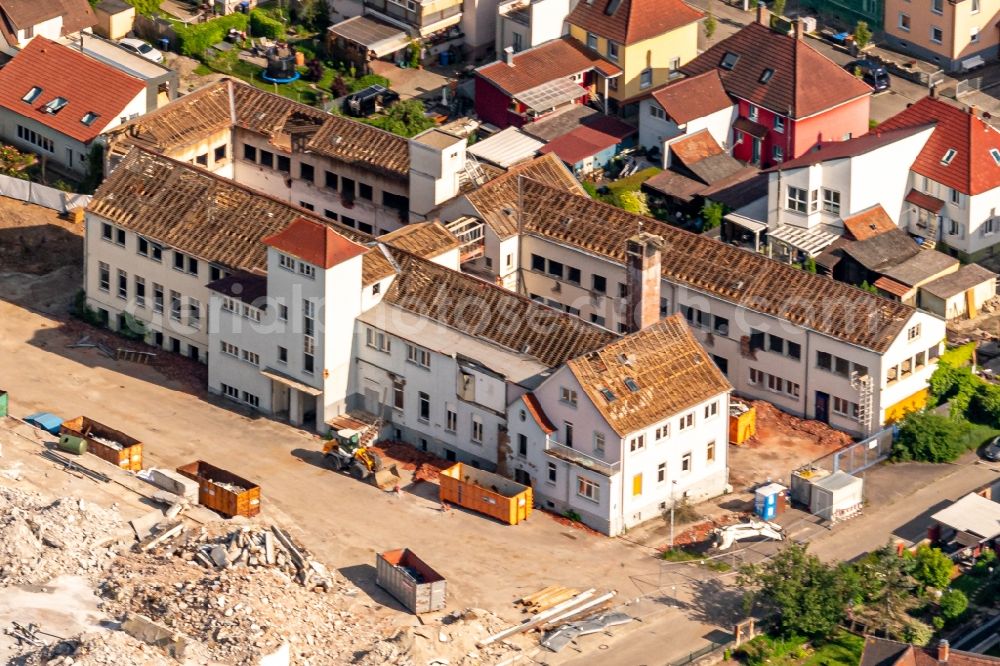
x,y
747,223
282,378
810,241
925,201
380,38
443,24
551,94
890,286
748,126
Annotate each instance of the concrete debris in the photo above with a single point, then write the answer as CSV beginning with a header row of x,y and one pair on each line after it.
x,y
559,638
13,472
97,649
41,538
142,628
171,482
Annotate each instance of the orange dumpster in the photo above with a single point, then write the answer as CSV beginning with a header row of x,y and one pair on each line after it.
x,y
491,494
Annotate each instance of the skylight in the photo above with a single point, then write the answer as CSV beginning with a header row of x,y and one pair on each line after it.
x,y
56,105
949,156
612,7
88,118
608,394
631,385
32,94
729,60
995,154
766,75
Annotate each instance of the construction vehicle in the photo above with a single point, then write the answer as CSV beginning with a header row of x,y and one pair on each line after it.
x,y
724,537
349,451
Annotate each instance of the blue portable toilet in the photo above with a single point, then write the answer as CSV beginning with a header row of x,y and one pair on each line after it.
x,y
767,500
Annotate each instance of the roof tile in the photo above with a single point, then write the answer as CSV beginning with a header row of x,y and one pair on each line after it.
x,y
631,21
554,59
693,97
315,243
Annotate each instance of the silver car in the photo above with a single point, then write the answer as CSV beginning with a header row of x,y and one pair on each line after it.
x,y
140,48
992,450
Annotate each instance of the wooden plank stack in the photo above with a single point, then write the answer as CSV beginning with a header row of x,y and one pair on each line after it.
x,y
546,598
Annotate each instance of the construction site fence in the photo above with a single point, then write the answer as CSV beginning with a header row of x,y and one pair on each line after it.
x,y
42,195
710,649
859,456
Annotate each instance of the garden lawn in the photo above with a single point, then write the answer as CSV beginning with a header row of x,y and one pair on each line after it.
x,y
978,435
299,90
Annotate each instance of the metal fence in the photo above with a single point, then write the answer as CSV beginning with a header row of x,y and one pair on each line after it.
x,y
968,85
859,456
711,648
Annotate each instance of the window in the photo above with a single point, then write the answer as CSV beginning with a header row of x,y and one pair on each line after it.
x,y
32,94
178,261
657,111
56,105
937,36
686,421
267,159
34,138
824,360
219,153
779,124
710,451
251,358
753,113
796,199
201,160
150,249
637,485
249,153
612,51
308,354
192,266
555,269
904,22
913,332
567,395
330,180
686,462
424,402
587,489
229,349
591,41
308,270
104,276
675,64
364,191
89,118
418,356
397,395
347,187
283,355
794,350
841,366
663,432
140,291
729,60
522,445
956,197
175,305
451,419
537,263
157,297
975,7
568,434
230,391
572,275
282,312
194,313
107,231
637,443
722,364
122,285
813,201
937,6
661,473
251,399
477,429
776,344
552,473
712,409
599,284
284,164
598,442
646,78
307,171
974,35
831,201
765,76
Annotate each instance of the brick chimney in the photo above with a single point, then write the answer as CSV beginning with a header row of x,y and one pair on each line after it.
x,y
642,280
508,56
763,16
942,651
800,29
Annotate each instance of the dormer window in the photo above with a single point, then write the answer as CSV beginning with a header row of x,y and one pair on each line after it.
x,y
729,60
766,75
32,95
949,156
995,154
88,118
56,105
631,384
608,394
612,7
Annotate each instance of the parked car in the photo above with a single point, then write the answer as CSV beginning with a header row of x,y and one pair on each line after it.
x,y
872,73
992,450
140,48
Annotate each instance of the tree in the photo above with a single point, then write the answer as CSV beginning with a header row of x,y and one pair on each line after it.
x,y
710,25
712,213
316,15
887,586
778,8
953,603
809,596
932,568
871,289
810,265
948,380
929,437
862,34
985,406
406,118
633,202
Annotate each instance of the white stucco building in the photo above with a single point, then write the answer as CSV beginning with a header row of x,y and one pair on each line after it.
x,y
523,24
21,22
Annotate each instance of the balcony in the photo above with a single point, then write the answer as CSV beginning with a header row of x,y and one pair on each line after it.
x,y
469,232
571,455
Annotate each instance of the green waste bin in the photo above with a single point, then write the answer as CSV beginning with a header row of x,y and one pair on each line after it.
x,y
3,404
73,444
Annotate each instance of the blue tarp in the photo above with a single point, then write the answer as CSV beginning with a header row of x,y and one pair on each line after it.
x,y
46,421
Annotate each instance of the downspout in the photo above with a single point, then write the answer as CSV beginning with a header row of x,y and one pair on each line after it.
x,y
805,382
621,482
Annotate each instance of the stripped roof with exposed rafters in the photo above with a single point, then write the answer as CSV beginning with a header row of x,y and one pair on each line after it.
x,y
744,278
648,376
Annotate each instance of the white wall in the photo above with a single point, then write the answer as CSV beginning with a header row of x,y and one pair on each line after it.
x,y
654,131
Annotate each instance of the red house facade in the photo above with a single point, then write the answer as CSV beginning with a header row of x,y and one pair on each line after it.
x,y
530,85
790,97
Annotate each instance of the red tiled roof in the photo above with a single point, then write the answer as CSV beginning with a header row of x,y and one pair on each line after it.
x,y
535,409
587,140
88,85
890,286
925,201
972,170
695,147
868,223
315,243
631,21
552,60
693,97
837,150
804,82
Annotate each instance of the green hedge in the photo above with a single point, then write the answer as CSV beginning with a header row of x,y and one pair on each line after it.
x,y
193,40
262,25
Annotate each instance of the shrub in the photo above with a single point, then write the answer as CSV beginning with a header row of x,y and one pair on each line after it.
x,y
953,603
917,632
950,379
985,405
314,70
81,310
929,437
262,25
195,39
369,80
634,202
712,213
862,34
932,567
339,87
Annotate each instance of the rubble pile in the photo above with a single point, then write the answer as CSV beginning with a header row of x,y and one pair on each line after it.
x,y
770,417
101,648
41,538
425,466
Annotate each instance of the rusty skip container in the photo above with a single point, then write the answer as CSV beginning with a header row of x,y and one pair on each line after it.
x,y
105,442
223,491
494,495
408,578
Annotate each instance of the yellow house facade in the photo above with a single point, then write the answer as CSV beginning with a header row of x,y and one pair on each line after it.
x,y
954,35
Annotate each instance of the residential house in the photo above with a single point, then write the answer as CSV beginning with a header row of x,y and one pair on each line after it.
x,y
953,35
525,24
358,40
883,652
954,187
529,85
56,102
161,82
429,20
341,169
592,145
21,21
960,294
620,433
790,97
970,524
686,106
649,39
